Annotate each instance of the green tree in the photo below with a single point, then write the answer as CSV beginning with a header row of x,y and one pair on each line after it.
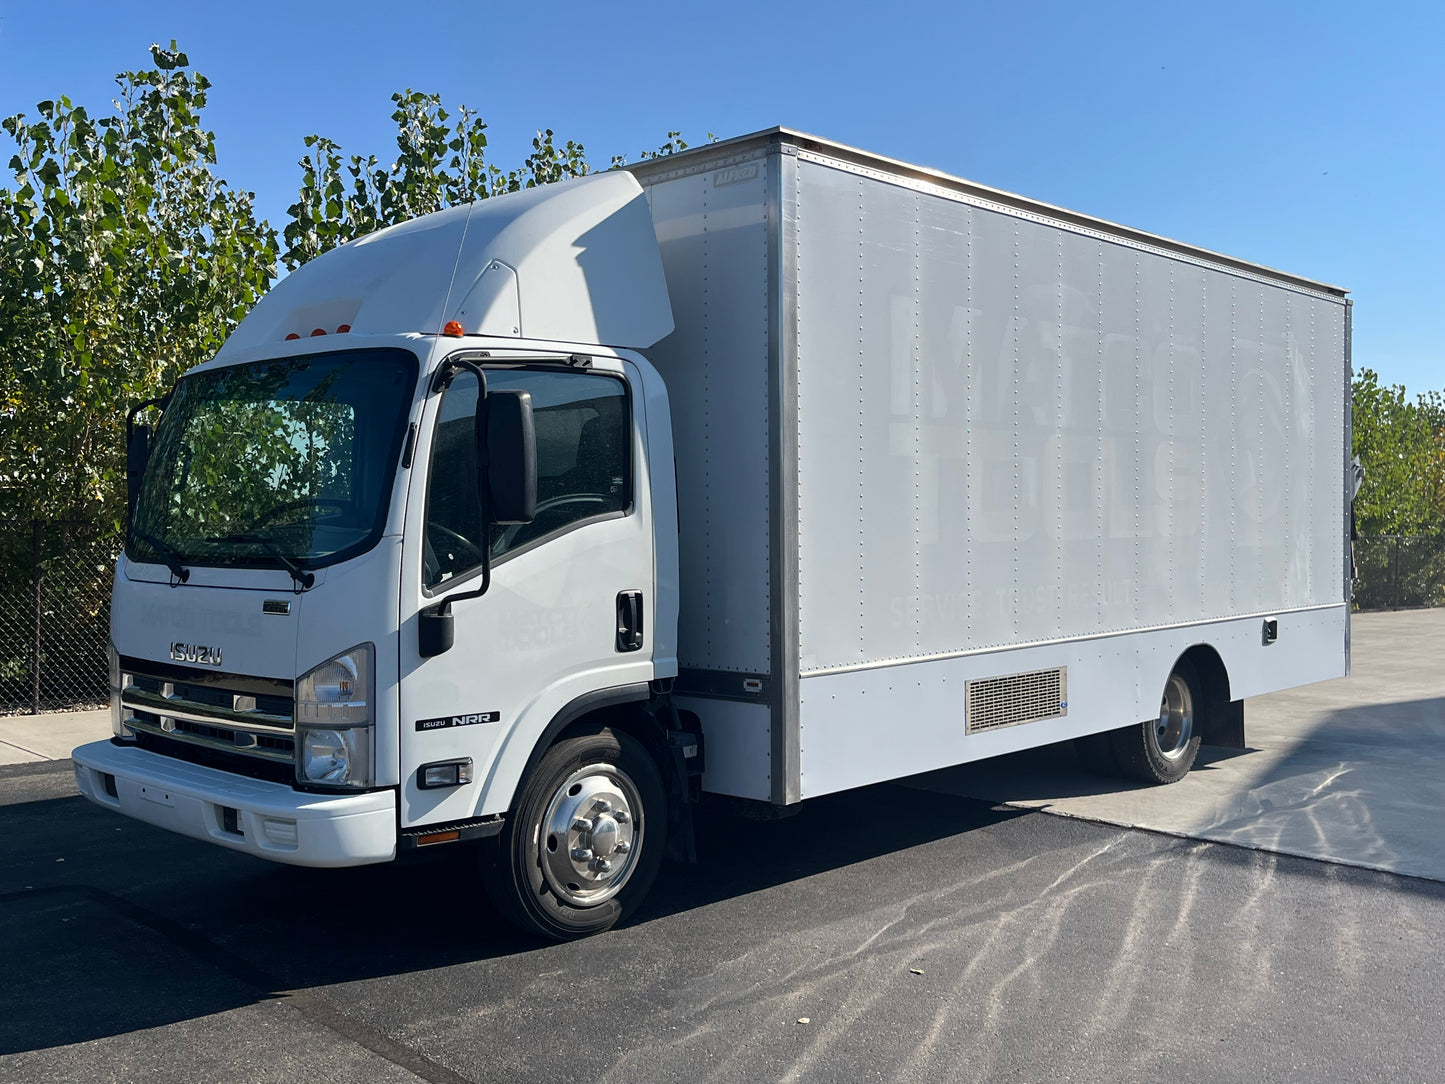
x,y
124,260
440,162
1402,447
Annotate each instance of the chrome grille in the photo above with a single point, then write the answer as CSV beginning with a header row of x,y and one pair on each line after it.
x,y
228,714
991,703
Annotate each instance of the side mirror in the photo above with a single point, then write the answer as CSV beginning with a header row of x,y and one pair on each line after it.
x,y
137,456
511,457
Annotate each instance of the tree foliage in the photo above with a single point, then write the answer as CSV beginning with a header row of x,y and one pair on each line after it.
x,y
441,161
1402,447
124,260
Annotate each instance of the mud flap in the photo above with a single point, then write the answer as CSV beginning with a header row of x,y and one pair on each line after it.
x,y
1224,725
685,743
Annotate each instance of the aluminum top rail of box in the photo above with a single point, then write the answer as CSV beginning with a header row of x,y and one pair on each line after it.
x,y
712,155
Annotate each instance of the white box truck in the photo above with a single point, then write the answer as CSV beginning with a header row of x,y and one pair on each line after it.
x,y
769,469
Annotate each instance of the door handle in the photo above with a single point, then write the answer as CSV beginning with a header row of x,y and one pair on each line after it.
x,y
629,620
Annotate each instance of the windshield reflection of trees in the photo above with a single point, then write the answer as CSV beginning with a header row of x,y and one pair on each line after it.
x,y
270,448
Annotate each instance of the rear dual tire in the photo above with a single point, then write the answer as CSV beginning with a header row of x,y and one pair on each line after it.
x,y
1158,750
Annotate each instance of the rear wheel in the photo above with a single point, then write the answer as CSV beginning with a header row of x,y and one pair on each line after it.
x,y
586,839
1162,750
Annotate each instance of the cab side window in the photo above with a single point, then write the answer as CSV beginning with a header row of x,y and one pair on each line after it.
x,y
584,465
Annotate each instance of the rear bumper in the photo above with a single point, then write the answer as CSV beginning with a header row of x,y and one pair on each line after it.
x,y
274,821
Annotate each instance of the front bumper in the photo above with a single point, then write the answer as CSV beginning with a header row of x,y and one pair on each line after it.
x,y
272,820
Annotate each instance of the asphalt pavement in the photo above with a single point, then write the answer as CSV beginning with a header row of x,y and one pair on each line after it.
x,y
894,932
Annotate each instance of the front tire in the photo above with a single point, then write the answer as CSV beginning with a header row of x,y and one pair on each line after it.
x,y
586,839
1162,750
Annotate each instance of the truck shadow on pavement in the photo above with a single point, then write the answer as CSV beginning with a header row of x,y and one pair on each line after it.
x,y
1358,785
109,926
1047,772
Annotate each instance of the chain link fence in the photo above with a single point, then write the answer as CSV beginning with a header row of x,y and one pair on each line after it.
x,y
1399,572
55,579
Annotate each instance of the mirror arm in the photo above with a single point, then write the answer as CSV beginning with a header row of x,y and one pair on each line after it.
x,y
447,371
161,401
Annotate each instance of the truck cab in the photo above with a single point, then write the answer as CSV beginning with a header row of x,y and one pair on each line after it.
x,y
392,577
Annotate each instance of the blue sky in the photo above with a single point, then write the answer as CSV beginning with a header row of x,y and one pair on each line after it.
x,y
1308,136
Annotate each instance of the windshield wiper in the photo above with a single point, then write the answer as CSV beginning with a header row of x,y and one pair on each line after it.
x,y
168,554
299,575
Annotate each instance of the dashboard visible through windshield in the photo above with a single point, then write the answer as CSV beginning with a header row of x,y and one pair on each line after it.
x,y
276,463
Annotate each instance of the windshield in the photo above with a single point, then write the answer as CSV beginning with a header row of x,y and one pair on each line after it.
x,y
275,462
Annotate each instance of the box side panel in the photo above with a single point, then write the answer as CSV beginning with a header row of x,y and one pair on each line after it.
x,y
738,739
712,231
1013,432
868,725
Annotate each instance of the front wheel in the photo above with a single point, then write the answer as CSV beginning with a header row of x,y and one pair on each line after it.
x,y
586,840
1162,750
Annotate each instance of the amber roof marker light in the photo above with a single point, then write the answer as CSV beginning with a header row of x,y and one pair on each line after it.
x,y
453,329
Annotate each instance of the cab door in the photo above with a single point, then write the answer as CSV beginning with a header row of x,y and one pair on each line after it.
x,y
569,608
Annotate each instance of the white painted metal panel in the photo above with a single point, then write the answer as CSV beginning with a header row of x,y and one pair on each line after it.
x,y
1328,565
943,597
714,243
868,725
1122,394
1218,529
737,739
1013,432
830,494
987,532
1275,455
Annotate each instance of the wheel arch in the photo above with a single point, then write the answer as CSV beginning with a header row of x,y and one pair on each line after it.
x,y
1221,718
636,711
617,706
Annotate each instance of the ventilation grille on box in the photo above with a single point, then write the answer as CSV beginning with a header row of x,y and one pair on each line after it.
x,y
1016,698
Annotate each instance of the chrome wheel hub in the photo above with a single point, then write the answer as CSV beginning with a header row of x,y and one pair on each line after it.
x,y
590,837
1176,718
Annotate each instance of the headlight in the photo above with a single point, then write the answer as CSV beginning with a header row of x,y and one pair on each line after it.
x,y
334,721
338,758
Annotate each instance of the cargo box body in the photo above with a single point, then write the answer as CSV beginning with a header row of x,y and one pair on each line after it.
x,y
960,474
